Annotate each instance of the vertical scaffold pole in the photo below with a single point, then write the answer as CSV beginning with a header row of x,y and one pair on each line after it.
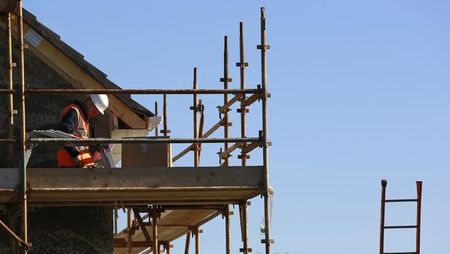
x,y
188,240
227,230
155,245
168,247
382,214
195,111
263,47
419,214
243,110
11,65
166,131
197,240
244,232
225,81
116,217
129,233
244,226
23,146
156,114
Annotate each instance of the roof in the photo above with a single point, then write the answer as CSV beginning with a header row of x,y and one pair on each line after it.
x,y
79,60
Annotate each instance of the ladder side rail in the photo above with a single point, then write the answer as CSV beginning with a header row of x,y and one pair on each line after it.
x,y
382,217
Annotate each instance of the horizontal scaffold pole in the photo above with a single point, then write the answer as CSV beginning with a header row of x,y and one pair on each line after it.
x,y
140,91
7,140
7,91
69,141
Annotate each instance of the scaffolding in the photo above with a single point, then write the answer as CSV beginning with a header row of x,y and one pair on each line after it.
x,y
149,214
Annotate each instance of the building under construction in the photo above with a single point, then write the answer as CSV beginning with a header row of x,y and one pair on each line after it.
x,y
46,209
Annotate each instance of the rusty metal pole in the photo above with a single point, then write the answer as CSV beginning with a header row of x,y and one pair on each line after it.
x,y
227,231
244,226
130,238
138,91
155,245
225,81
195,111
166,130
243,110
197,241
168,247
382,216
23,145
200,128
116,216
13,235
11,66
156,114
264,47
419,215
188,240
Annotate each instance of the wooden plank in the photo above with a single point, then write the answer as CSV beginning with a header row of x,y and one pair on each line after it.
x,y
251,147
136,244
98,196
227,105
136,185
250,100
227,152
143,177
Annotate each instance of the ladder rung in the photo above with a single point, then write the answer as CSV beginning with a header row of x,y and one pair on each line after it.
x,y
401,200
397,227
410,252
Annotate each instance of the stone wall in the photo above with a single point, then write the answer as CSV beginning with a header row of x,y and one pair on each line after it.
x,y
51,229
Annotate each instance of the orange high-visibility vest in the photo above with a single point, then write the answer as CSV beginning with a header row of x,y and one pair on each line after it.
x,y
81,131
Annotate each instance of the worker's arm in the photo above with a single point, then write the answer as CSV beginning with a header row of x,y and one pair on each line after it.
x,y
68,124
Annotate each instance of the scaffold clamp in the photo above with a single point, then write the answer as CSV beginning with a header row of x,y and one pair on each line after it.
x,y
266,47
271,241
238,64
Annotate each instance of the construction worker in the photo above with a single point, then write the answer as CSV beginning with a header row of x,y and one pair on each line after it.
x,y
75,121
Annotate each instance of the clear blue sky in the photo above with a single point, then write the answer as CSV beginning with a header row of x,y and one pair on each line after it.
x,y
360,93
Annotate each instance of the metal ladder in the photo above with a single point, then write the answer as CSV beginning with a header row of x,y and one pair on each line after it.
x,y
383,227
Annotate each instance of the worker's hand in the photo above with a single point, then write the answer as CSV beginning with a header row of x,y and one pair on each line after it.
x,y
78,161
84,162
89,165
98,164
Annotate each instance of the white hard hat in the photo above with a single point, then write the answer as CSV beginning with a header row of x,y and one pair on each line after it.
x,y
100,101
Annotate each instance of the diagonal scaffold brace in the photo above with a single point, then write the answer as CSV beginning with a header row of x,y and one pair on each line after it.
x,y
11,233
